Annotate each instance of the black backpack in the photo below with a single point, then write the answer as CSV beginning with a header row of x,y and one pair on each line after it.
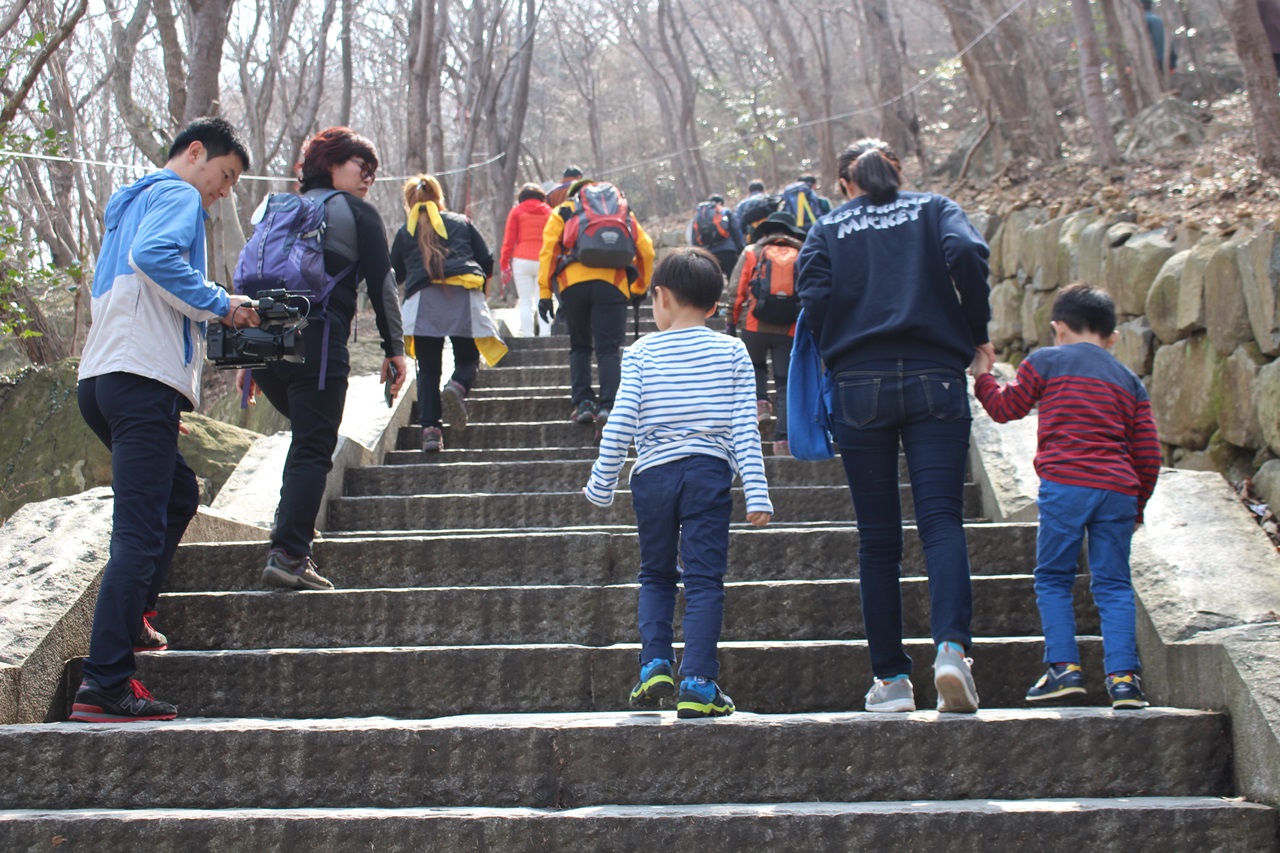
x,y
709,224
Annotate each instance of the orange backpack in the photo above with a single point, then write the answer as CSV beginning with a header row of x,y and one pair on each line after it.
x,y
773,285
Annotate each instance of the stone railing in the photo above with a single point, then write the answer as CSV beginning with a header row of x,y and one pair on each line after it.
x,y
1199,322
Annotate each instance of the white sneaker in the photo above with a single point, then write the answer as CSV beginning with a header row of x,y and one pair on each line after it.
x,y
954,680
894,695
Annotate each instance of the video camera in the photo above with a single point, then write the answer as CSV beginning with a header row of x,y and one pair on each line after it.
x,y
275,339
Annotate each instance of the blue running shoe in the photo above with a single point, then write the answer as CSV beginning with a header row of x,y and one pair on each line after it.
x,y
655,686
1125,690
702,697
1061,679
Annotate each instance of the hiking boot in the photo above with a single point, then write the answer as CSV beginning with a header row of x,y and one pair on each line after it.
x,y
764,411
1125,690
149,639
455,411
953,679
289,572
655,685
432,439
1061,679
128,703
702,697
781,447
585,413
891,695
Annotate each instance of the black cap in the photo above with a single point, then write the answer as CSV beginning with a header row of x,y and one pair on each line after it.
x,y
779,222
572,172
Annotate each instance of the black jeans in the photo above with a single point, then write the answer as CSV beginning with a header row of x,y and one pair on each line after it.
x,y
596,312
314,417
760,345
156,495
429,352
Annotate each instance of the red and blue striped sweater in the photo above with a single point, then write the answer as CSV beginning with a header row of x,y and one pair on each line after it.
x,y
1096,428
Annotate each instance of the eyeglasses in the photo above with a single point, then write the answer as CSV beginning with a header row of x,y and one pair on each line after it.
x,y
366,171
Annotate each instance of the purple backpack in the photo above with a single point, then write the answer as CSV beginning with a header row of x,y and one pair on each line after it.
x,y
286,252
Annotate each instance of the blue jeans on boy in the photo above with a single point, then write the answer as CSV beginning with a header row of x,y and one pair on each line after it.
x,y
683,507
156,495
925,406
1066,513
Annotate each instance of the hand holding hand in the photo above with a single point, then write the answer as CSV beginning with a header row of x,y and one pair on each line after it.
x,y
546,310
983,360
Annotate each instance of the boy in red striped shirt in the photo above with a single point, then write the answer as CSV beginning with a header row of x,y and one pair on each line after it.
x,y
1098,457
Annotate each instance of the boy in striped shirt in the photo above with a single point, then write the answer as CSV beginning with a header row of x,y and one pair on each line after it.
x,y
687,398
1098,457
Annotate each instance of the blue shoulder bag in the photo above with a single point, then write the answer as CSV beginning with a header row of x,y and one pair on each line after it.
x,y
809,392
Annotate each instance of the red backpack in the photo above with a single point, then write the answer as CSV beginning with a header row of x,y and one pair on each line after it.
x,y
599,233
773,285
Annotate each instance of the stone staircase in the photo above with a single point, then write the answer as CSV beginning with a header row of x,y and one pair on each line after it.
x,y
466,686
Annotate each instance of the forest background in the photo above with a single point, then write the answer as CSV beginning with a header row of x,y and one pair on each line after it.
x,y
670,99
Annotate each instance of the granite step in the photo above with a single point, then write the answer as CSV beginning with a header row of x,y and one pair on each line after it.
x,y
965,826
558,509
555,431
573,761
586,615
776,677
489,476
499,558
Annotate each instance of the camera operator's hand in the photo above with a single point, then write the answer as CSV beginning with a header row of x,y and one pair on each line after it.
x,y
241,312
244,375
546,310
401,373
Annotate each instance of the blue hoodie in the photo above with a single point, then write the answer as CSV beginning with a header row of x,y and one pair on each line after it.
x,y
150,295
906,279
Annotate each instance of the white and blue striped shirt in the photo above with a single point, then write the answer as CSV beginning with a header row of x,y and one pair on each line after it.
x,y
683,392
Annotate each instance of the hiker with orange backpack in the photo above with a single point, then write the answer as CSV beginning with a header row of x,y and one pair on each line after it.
x,y
601,258
715,228
766,306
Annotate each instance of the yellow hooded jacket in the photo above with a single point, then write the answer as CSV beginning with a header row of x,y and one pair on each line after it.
x,y
575,272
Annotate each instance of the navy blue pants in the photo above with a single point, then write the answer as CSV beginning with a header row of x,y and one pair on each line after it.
x,y
429,353
683,509
924,406
1066,513
156,495
596,313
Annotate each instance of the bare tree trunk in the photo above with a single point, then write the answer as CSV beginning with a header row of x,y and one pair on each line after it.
x,y
1146,72
794,59
151,141
11,17
13,100
898,123
1259,79
1122,62
46,346
171,48
1095,101
678,60
422,78
1029,123
435,99
348,68
204,62
507,135
637,26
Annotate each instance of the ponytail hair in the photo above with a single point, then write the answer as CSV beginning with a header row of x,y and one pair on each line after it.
x,y
872,165
419,190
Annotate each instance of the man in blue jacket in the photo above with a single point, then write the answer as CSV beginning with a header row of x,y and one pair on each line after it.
x,y
139,372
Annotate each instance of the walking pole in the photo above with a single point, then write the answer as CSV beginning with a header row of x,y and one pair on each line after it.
x,y
636,326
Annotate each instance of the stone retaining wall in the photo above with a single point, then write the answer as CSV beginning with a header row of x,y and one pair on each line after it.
x,y
1199,322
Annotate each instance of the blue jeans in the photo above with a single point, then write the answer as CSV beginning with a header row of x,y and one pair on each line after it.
x,y
1066,513
924,406
683,507
156,495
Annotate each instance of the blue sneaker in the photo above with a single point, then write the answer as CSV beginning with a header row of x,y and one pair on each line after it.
x,y
655,686
1125,690
1061,679
702,697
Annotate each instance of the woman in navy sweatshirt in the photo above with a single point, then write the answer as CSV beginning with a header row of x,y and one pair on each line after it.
x,y
894,286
